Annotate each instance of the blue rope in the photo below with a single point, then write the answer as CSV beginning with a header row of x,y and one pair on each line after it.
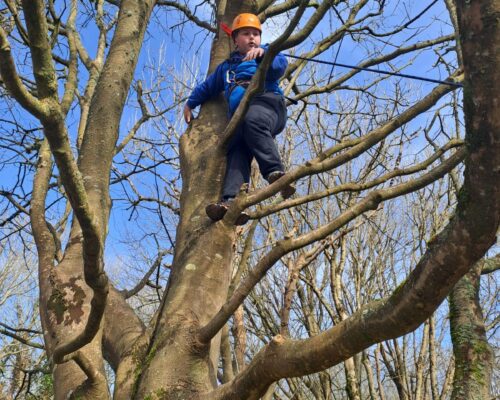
x,y
378,71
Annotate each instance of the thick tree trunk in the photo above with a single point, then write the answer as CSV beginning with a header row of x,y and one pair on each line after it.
x,y
66,297
473,354
480,43
202,259
479,29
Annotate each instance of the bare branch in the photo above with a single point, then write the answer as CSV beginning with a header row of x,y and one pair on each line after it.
x,y
46,247
365,64
285,246
12,81
55,131
490,265
325,162
11,199
355,187
399,28
95,378
262,5
132,292
20,27
20,339
146,116
187,12
40,48
268,12
71,82
312,22
35,332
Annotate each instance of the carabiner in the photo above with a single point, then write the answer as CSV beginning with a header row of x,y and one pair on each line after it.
x,y
228,79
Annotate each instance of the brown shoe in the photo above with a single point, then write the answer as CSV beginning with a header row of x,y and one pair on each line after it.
x,y
216,212
287,191
242,219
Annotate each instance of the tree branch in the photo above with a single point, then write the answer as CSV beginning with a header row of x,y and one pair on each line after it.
x,y
12,81
20,339
12,201
189,15
96,383
55,131
312,22
490,265
40,48
35,332
354,187
281,8
94,67
15,14
325,162
285,246
365,64
132,292
399,28
71,82
45,245
124,342
146,116
262,5
322,46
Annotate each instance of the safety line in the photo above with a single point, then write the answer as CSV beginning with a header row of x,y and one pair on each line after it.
x,y
378,71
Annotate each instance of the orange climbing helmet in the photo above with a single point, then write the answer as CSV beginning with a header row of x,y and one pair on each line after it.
x,y
246,20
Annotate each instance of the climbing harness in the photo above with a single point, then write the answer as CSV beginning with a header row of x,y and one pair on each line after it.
x,y
231,79
244,83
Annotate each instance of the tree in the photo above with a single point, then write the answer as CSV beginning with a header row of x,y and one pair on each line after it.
x,y
87,321
473,354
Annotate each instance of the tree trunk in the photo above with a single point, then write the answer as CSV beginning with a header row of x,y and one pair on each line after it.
x,y
202,257
479,29
473,354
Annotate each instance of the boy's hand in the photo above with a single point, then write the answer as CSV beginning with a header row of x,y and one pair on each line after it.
x,y
188,114
253,53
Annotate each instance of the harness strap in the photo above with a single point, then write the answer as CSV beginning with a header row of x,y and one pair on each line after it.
x,y
243,83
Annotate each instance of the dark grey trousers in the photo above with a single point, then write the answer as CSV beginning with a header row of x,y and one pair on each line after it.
x,y
266,117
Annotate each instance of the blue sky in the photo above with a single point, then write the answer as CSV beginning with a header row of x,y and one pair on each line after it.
x,y
174,45
183,46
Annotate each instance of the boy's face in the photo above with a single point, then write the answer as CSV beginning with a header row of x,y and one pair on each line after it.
x,y
246,39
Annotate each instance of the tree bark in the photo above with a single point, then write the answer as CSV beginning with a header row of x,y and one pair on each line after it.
x,y
473,354
203,255
78,285
480,42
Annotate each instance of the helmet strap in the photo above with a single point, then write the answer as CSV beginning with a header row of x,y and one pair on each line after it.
x,y
227,29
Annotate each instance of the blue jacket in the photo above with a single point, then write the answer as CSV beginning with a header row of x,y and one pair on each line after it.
x,y
222,79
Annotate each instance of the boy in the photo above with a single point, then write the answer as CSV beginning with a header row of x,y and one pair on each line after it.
x,y
266,116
